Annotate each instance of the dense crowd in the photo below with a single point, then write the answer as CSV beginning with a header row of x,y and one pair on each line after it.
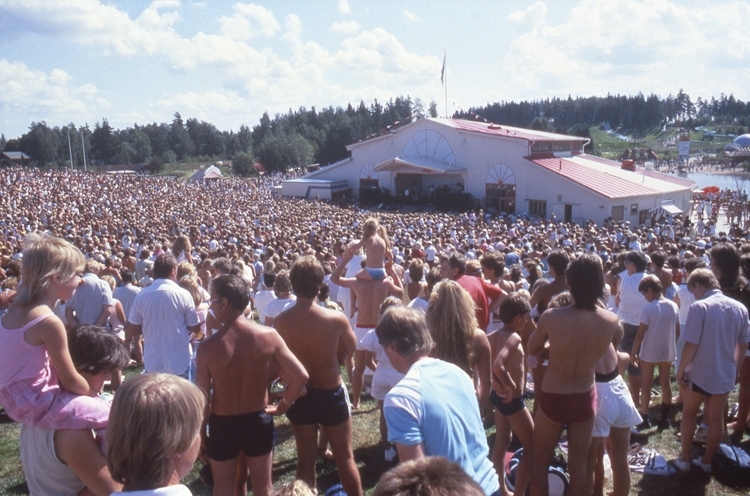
x,y
204,258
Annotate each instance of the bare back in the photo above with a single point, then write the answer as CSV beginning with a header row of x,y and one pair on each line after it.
x,y
370,294
577,340
241,364
316,335
374,252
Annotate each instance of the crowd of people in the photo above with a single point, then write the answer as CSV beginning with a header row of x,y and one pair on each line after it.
x,y
459,318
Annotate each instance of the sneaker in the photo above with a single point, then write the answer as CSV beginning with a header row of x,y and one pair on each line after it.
x,y
706,467
390,454
701,435
682,465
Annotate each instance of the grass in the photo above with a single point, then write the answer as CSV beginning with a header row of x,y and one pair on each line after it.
x,y
369,455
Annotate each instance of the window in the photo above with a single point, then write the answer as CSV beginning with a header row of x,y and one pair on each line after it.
x,y
538,207
618,213
633,209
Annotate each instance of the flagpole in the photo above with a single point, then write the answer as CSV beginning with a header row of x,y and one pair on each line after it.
x,y
445,72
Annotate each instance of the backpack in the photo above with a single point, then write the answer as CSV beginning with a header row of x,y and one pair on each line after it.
x,y
731,466
557,475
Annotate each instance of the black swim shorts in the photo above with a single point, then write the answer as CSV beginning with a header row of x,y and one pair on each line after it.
x,y
253,433
507,409
320,406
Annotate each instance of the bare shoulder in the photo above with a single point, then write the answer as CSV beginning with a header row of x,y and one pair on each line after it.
x,y
608,317
481,341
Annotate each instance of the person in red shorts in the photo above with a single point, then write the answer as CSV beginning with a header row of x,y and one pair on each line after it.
x,y
568,394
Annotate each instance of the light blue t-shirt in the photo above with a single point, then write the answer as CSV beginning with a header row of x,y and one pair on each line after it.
x,y
435,404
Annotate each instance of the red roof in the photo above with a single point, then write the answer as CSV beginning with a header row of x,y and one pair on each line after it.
x,y
600,182
509,131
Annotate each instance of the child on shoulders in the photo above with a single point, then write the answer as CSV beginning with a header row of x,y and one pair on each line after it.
x,y
375,242
39,384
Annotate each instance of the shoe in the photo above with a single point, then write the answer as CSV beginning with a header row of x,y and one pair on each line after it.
x,y
663,424
701,435
682,465
706,467
390,454
646,424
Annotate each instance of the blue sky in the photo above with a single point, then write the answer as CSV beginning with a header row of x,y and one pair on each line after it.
x,y
227,62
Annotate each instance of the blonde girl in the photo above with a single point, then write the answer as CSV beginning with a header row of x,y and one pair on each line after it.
x,y
452,322
376,243
38,383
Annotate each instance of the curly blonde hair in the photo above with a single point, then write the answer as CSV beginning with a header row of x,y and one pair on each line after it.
x,y
452,323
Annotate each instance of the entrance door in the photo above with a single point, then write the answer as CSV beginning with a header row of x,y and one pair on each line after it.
x,y
568,213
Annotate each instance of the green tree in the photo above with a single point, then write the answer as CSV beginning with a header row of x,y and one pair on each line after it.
x,y
432,110
279,151
179,139
141,146
242,164
3,141
41,143
104,144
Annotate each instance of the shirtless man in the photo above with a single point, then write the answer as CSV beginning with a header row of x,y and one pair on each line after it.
x,y
568,395
370,294
236,364
558,262
320,338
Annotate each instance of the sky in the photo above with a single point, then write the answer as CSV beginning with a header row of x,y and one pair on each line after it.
x,y
138,62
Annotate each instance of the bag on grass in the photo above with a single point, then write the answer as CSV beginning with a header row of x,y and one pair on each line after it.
x,y
557,475
732,464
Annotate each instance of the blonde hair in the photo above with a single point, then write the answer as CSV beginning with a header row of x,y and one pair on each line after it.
x,y
154,417
45,256
295,488
190,283
370,227
182,243
452,323
109,280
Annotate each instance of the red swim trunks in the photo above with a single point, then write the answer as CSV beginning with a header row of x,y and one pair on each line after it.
x,y
569,407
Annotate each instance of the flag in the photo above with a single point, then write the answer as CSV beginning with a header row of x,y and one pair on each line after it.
x,y
442,71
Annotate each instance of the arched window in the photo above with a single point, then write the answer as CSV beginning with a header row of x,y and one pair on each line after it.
x,y
368,178
429,144
500,189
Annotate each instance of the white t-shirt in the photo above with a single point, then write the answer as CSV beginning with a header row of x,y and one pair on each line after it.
x,y
658,344
631,301
262,299
275,307
165,310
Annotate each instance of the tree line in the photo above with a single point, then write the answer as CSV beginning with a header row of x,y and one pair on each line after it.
x,y
305,136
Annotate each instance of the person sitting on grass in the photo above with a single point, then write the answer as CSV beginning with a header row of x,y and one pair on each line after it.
x,y
654,346
508,387
154,434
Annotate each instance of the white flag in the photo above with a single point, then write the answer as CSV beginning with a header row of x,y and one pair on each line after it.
x,y
442,71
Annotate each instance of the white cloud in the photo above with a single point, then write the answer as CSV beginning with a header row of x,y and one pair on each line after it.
x,y
345,27
533,13
34,95
248,20
410,16
627,46
343,7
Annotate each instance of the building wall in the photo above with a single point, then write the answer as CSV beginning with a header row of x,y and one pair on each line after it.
x,y
476,154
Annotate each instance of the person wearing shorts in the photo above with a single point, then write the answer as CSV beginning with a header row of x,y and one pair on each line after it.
x,y
327,407
383,380
241,434
252,433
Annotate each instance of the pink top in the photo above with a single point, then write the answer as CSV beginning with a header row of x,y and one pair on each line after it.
x,y
30,390
22,361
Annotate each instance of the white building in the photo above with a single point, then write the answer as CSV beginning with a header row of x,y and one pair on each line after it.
x,y
505,168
